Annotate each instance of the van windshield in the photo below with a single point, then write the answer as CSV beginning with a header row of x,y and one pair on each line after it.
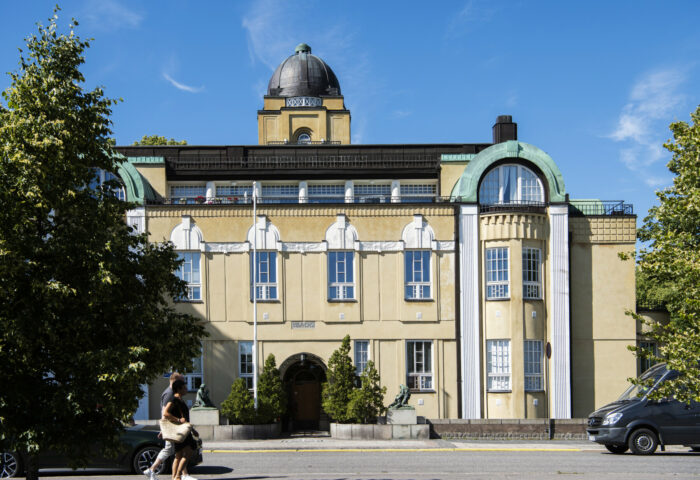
x,y
638,391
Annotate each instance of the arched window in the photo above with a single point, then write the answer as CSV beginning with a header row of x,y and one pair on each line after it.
x,y
511,184
304,138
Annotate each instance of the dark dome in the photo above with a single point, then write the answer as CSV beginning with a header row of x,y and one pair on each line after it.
x,y
303,75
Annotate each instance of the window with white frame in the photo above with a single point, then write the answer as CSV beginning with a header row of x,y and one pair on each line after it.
x,y
245,363
531,273
418,192
498,365
195,375
361,356
234,193
497,283
187,193
646,363
341,277
103,176
533,365
189,272
417,274
419,364
328,193
511,184
373,193
280,193
265,275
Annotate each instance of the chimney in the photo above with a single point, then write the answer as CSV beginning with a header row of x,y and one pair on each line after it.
x,y
504,129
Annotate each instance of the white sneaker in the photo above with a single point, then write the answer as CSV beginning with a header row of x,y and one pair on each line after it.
x,y
150,474
188,477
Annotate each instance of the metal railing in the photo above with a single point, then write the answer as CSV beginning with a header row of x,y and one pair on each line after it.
x,y
311,142
651,306
586,208
514,206
303,161
248,200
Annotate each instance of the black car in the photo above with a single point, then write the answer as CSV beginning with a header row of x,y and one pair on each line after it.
x,y
141,446
640,424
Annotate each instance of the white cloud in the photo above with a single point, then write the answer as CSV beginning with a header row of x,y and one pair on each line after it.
x,y
110,15
182,86
642,125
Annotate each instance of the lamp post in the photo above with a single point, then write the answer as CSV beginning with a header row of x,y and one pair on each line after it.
x,y
255,295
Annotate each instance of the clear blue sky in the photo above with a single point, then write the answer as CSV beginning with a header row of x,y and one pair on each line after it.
x,y
594,84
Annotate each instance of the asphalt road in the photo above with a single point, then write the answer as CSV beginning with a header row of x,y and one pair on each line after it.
x,y
419,464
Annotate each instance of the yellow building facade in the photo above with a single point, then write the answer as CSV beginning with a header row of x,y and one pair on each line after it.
x,y
464,271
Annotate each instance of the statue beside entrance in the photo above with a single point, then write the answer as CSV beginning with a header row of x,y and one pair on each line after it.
x,y
400,412
203,411
401,399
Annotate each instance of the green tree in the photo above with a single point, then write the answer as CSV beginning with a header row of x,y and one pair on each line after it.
x,y
272,398
239,406
158,140
341,378
85,309
672,262
367,402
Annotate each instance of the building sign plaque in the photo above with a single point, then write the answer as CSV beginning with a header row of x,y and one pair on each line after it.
x,y
296,325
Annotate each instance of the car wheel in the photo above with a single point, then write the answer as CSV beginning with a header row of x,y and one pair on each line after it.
x,y
144,458
612,448
10,465
643,441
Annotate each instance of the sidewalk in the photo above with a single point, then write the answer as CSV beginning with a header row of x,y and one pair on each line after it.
x,y
326,443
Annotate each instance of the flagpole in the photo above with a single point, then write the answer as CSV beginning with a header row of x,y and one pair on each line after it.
x,y
255,295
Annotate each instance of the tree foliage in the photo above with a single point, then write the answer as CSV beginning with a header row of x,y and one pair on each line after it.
x,y
367,402
672,262
341,378
239,406
85,315
159,140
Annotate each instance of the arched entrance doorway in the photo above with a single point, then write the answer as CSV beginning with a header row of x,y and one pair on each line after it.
x,y
303,374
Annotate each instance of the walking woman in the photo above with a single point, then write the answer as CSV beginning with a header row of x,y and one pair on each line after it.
x,y
176,411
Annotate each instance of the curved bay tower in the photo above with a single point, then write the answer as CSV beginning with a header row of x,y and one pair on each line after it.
x,y
462,270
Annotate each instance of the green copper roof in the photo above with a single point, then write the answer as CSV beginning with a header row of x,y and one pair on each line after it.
x,y
137,188
465,190
302,48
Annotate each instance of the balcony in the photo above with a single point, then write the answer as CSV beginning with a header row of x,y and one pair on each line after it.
x,y
588,208
289,200
515,206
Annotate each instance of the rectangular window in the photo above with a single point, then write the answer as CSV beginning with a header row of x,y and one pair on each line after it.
x,y
646,363
341,276
361,356
533,365
418,193
497,273
266,275
189,272
195,376
245,362
327,193
419,365
280,194
531,273
498,365
234,193
187,193
373,193
417,274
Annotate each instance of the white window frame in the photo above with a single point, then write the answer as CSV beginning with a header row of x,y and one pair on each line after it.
x,y
532,273
418,377
498,369
413,290
534,357
195,378
265,290
361,354
187,193
520,186
194,287
645,363
245,350
497,278
345,290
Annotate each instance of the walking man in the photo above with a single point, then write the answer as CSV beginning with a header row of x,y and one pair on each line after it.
x,y
169,449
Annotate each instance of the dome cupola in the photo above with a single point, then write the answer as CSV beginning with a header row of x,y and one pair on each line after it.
x,y
303,75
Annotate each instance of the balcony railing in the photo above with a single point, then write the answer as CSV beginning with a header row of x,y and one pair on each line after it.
x,y
248,200
586,208
514,206
311,142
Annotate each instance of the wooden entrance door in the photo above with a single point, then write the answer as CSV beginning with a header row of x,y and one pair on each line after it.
x,y
307,400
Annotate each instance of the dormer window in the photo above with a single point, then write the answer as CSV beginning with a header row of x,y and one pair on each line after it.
x,y
511,185
304,138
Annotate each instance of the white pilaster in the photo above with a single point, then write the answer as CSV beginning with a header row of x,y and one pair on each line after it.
x,y
469,310
560,380
395,191
211,191
303,192
136,218
349,191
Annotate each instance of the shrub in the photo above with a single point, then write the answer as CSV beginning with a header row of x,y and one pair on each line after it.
x,y
239,406
341,377
367,402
